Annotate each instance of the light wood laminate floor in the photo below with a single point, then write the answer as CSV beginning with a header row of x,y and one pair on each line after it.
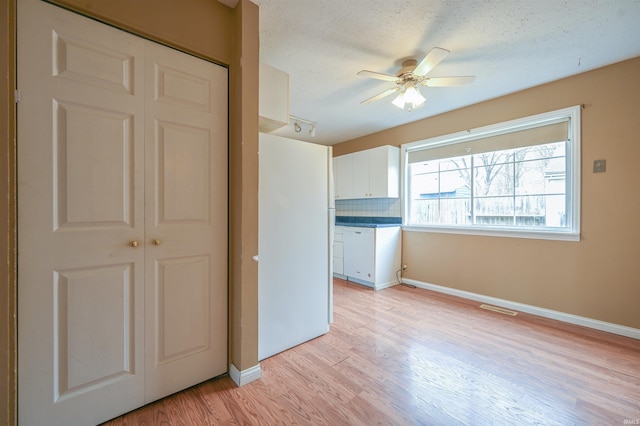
x,y
404,356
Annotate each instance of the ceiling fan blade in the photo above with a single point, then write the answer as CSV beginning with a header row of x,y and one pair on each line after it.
x,y
377,75
448,81
432,59
380,96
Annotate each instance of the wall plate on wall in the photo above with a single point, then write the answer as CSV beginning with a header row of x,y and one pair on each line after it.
x,y
599,166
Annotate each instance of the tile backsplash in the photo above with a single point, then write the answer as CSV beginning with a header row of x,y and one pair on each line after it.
x,y
382,207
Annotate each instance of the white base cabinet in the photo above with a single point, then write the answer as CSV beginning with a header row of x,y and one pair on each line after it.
x,y
360,250
338,253
372,256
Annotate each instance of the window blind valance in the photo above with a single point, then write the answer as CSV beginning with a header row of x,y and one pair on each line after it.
x,y
557,131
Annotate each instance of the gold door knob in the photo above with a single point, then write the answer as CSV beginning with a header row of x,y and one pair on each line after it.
x,y
156,242
133,243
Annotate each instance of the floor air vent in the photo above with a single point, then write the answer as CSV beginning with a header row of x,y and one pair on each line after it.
x,y
499,310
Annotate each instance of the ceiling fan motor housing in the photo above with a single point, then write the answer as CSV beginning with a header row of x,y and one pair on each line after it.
x,y
407,67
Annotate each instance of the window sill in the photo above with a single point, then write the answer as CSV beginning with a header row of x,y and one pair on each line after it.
x,y
490,232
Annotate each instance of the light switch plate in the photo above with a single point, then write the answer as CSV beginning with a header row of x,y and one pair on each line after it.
x,y
599,166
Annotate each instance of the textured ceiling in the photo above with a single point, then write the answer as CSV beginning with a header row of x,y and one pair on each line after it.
x,y
509,45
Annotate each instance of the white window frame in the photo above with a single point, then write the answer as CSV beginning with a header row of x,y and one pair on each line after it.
x,y
572,231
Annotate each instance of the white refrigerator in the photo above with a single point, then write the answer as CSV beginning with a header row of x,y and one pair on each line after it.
x,y
295,237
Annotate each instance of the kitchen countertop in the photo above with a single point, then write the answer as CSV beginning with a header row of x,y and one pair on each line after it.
x,y
368,221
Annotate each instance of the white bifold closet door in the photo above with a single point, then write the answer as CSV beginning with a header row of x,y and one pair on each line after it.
x,y
122,219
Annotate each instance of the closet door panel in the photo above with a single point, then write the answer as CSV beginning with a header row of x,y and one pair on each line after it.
x,y
186,221
80,206
183,174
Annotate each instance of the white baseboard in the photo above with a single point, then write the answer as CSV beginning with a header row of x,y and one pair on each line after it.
x,y
622,330
361,282
369,283
385,285
241,378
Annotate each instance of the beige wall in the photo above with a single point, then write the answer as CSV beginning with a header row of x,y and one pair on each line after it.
x,y
203,27
598,277
207,29
243,168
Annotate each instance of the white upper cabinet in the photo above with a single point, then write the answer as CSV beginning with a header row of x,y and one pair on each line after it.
x,y
373,173
343,177
274,98
361,173
384,172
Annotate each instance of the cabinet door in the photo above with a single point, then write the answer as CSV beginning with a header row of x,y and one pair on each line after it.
x,y
343,177
338,251
378,172
384,165
338,260
359,245
361,172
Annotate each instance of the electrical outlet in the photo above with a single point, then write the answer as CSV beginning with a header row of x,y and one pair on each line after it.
x,y
404,267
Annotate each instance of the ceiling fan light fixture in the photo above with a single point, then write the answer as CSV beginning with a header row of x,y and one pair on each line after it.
x,y
399,101
413,97
409,99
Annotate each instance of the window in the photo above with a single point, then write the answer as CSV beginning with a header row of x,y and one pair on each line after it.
x,y
518,178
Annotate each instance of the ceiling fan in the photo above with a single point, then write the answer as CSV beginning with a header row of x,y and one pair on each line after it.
x,y
411,76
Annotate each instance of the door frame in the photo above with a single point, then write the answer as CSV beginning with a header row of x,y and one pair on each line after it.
x,y
8,217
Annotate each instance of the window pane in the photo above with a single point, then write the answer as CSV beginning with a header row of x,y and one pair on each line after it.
x,y
541,151
431,166
455,211
530,206
494,211
493,179
545,176
456,163
453,184
426,185
425,211
556,211
530,177
540,210
493,158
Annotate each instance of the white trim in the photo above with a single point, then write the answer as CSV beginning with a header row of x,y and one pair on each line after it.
x,y
369,284
229,3
388,284
361,282
241,378
507,233
621,330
